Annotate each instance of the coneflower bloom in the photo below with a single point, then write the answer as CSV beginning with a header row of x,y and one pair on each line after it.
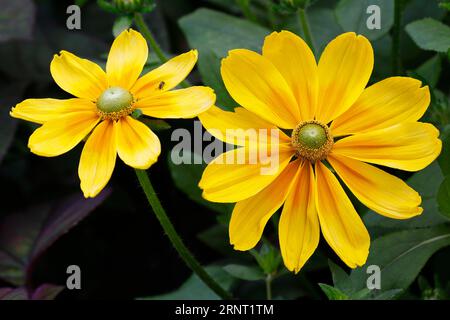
x,y
103,106
329,124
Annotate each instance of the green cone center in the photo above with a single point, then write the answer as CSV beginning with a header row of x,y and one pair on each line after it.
x,y
312,136
114,99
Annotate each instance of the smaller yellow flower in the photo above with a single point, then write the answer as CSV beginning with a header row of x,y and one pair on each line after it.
x,y
325,117
103,106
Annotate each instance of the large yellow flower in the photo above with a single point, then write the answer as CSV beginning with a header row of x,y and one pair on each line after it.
x,y
103,105
327,119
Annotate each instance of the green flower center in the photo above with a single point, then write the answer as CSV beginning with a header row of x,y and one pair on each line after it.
x,y
114,103
312,136
312,140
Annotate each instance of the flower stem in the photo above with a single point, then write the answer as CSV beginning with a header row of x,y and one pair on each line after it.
x,y
269,286
178,244
142,26
306,30
140,23
396,60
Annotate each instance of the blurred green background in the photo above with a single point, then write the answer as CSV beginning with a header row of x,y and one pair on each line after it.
x,y
116,240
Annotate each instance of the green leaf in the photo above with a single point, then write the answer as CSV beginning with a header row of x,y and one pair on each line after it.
x,y
430,34
155,124
341,280
249,273
323,23
16,19
195,289
400,256
382,53
186,178
214,34
352,16
374,294
444,158
430,70
390,294
417,9
333,293
122,23
445,5
217,238
426,183
443,197
209,67
268,258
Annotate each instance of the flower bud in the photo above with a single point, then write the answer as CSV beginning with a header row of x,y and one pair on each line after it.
x,y
125,7
292,6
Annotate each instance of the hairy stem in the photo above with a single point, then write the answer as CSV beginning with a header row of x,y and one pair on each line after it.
x,y
178,244
144,29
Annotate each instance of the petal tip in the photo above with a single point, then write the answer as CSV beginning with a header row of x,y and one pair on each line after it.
x,y
240,247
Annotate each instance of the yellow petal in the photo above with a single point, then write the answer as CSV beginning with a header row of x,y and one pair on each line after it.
x,y
299,229
295,61
254,82
137,145
384,104
182,103
126,59
43,110
376,189
80,77
344,70
250,216
341,225
240,127
406,146
98,159
167,76
60,135
227,179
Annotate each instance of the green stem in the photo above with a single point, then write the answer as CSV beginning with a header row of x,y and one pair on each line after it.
x,y
140,23
142,26
306,30
269,287
178,244
396,60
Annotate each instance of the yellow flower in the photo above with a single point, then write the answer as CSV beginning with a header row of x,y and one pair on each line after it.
x,y
327,116
103,105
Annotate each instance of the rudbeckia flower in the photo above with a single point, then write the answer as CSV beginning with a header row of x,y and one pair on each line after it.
x,y
103,106
329,125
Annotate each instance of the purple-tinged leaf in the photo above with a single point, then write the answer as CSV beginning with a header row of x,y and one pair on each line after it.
x,y
13,294
44,292
64,217
26,235
18,233
47,292
11,269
